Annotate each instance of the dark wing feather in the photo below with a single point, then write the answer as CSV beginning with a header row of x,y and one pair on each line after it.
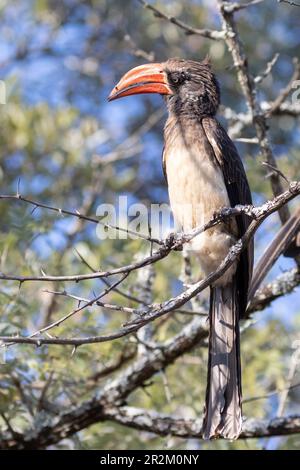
x,y
163,161
238,192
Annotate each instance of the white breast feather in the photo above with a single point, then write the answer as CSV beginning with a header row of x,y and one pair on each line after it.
x,y
197,190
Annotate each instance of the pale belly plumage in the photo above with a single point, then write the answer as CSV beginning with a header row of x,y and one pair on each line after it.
x,y
196,191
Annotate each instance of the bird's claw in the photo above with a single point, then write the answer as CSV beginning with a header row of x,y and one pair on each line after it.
x,y
171,239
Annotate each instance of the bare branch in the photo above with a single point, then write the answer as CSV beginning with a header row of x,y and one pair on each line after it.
x,y
105,406
128,147
206,33
114,365
234,7
149,421
247,83
247,140
96,301
240,121
90,303
106,282
147,314
293,4
289,380
281,242
138,52
275,170
268,69
284,109
108,404
286,91
258,213
78,215
270,394
166,425
282,285
114,393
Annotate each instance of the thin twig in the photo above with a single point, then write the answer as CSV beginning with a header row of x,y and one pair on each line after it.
x,y
271,394
79,309
154,311
286,91
258,213
289,2
18,197
259,78
282,285
207,33
107,283
276,170
137,51
247,83
234,7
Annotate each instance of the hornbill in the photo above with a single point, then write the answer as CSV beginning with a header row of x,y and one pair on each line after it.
x,y
205,174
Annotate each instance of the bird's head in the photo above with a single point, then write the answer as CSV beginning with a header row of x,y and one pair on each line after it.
x,y
189,86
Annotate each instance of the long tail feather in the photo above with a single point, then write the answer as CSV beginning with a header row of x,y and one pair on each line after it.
x,y
223,413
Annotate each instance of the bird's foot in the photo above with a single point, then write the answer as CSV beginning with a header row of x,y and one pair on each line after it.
x,y
174,240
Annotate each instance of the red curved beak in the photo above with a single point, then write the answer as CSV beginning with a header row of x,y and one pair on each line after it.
x,y
148,78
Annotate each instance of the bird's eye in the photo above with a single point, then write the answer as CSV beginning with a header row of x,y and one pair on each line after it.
x,y
176,78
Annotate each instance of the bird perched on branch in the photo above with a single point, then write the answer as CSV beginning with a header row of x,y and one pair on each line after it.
x,y
204,174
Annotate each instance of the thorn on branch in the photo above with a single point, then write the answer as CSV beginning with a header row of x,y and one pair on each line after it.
x,y
33,210
18,188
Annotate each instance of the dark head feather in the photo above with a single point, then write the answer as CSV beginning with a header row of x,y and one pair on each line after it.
x,y
196,89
